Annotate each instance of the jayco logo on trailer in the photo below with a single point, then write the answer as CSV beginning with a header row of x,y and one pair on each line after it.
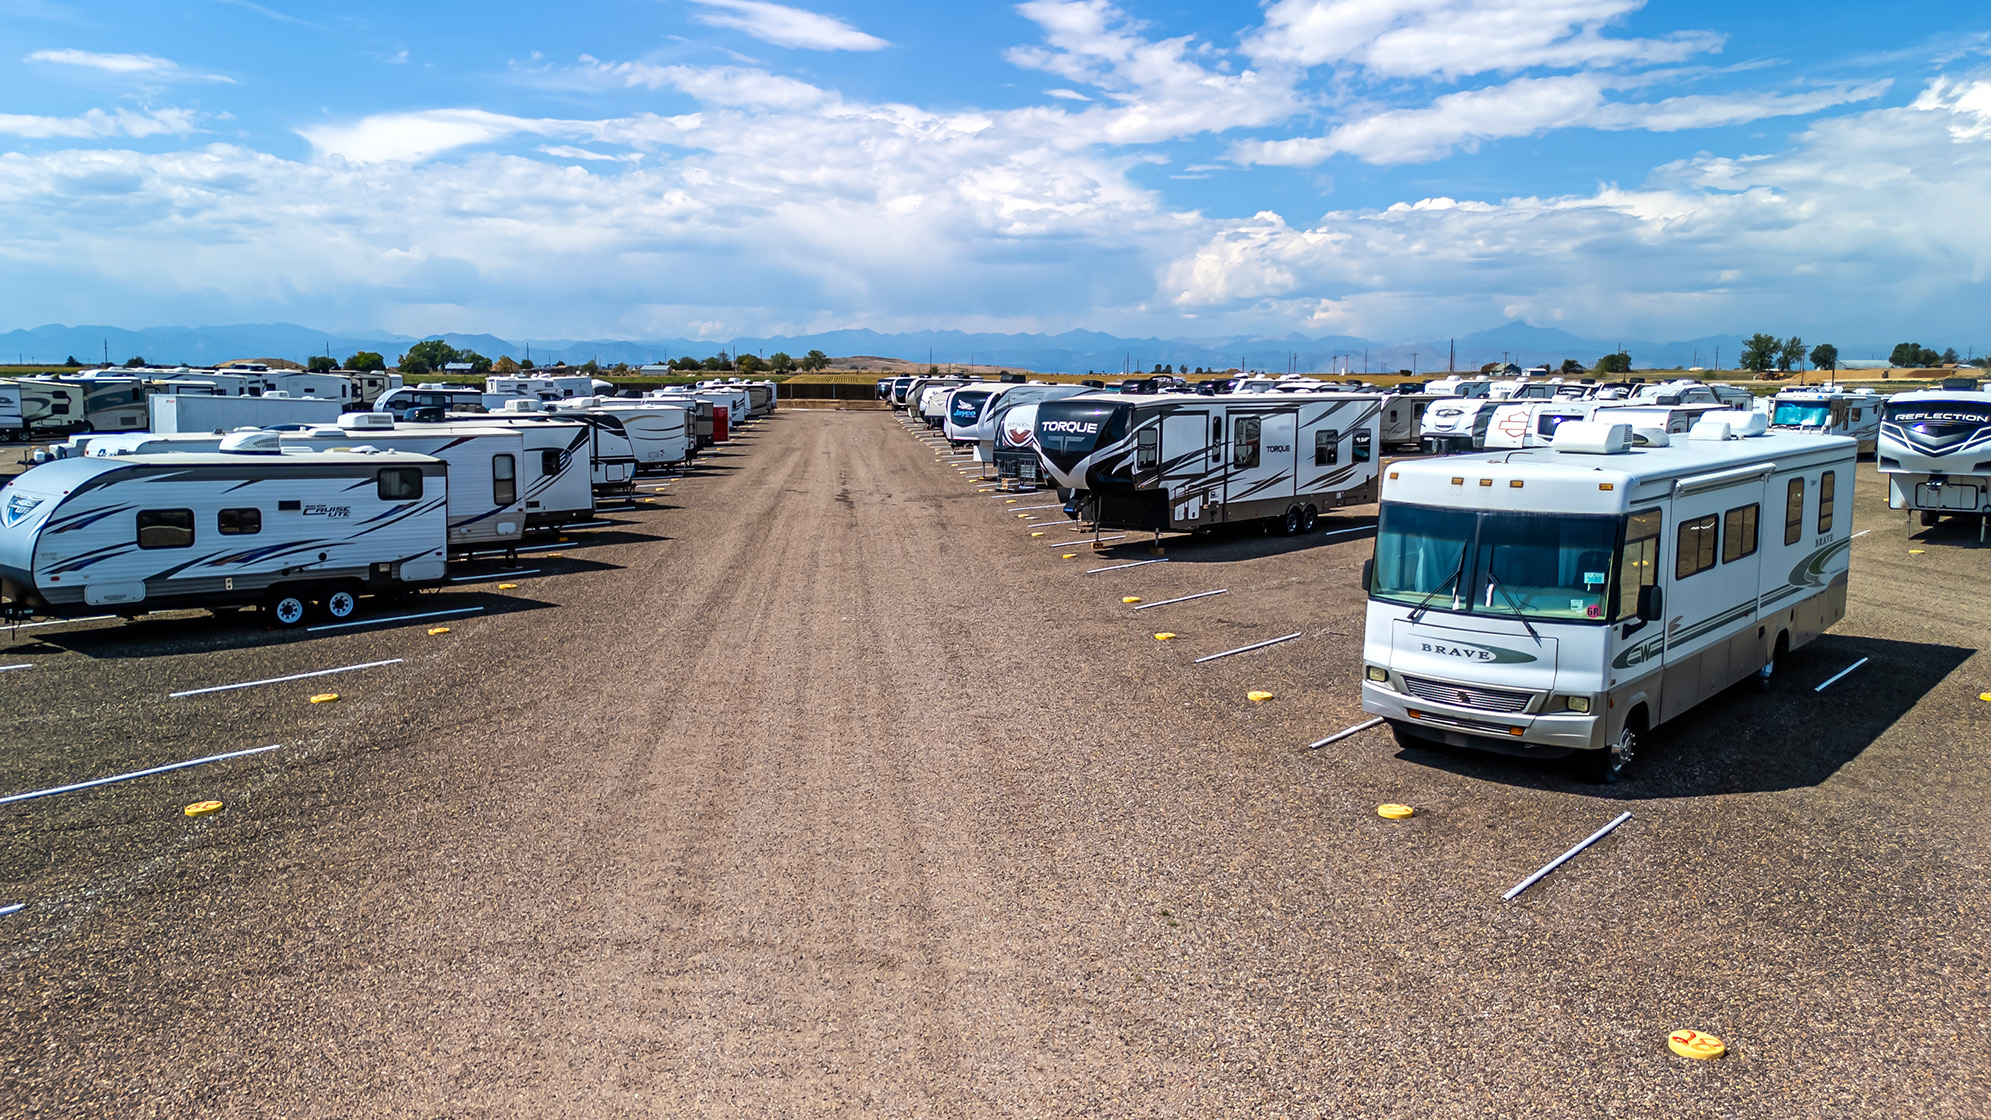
x,y
1071,427
18,508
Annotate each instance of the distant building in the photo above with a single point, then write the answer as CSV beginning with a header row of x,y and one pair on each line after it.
x,y
656,369
464,369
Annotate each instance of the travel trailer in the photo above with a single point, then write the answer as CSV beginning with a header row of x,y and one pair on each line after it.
x,y
699,414
582,446
994,413
51,406
1015,453
13,417
1829,411
1935,449
487,498
1183,462
1565,600
543,388
969,409
435,395
659,434
249,525
168,413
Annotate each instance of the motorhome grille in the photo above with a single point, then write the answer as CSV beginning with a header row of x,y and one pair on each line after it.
x,y
1466,696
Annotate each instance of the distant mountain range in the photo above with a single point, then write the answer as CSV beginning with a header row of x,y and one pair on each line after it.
x,y
1069,352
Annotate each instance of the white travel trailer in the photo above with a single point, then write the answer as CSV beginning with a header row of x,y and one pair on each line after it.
x,y
995,411
487,507
660,435
1184,463
586,447
969,411
700,413
1935,449
322,386
246,526
171,413
436,395
1567,599
51,406
1015,454
1829,411
543,388
1685,390
13,416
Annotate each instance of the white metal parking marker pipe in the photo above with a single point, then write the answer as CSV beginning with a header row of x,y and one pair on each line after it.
x,y
1117,567
1565,857
1344,532
1053,505
392,618
495,576
1340,735
1102,540
1184,599
1841,673
1252,646
61,621
280,680
136,774
6,910
22,665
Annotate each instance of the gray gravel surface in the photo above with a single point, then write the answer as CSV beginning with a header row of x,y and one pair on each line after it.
x,y
817,785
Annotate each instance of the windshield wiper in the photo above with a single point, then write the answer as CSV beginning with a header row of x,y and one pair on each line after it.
x,y
1493,584
1424,605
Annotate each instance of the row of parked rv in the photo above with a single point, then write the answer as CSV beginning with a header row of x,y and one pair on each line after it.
x,y
304,513
1561,598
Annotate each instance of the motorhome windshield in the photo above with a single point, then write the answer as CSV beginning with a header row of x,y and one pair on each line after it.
x,y
1539,566
1068,431
1793,414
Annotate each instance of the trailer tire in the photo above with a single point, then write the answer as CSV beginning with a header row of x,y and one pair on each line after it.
x,y
341,602
1929,518
1290,525
1610,765
1309,517
285,608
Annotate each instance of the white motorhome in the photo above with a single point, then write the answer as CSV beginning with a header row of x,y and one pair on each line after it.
x,y
1935,449
1829,411
1182,462
660,435
247,525
1565,600
487,507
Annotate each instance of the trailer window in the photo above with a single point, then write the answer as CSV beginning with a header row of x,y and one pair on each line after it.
x,y
1738,532
400,484
550,461
1327,448
1361,447
1147,448
1696,549
1639,565
1244,450
1216,429
1827,490
504,479
165,528
242,522
59,405
1794,511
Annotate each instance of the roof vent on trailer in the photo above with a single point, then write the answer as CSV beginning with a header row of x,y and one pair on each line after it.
x,y
366,421
1592,437
1650,437
523,404
252,443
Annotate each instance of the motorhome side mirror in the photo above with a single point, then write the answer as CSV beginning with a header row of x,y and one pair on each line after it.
x,y
1368,573
1651,603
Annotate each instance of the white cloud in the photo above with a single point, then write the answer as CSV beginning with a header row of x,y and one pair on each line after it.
x,y
1454,38
413,137
97,123
144,65
786,27
1066,95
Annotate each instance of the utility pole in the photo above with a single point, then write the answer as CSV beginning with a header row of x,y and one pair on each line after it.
x,y
1452,357
1413,363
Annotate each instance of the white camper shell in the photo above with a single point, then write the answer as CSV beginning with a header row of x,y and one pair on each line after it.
x,y
247,526
1568,599
1935,449
1183,462
1829,411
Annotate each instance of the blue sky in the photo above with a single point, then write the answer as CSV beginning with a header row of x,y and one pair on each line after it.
x,y
1392,169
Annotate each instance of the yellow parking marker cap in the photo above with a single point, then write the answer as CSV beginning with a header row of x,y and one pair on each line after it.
x,y
1037,534
1130,598
202,808
1024,516
1917,551
1984,696
507,586
1395,812
1069,555
1008,501
1257,697
1694,1044
434,630
1164,636
324,698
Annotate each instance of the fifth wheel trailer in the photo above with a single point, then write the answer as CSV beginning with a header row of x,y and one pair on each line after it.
x,y
1565,600
1935,449
1184,463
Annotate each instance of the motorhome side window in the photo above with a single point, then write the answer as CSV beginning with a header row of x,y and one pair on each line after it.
x,y
1245,452
165,528
1738,532
1361,447
1827,490
400,484
1696,546
1147,448
1794,511
1327,448
1639,566
504,479
244,522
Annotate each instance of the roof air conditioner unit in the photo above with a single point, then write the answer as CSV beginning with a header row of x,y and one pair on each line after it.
x,y
1712,430
252,443
1740,423
367,421
1592,437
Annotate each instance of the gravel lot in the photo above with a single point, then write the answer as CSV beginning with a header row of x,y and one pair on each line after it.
x,y
817,784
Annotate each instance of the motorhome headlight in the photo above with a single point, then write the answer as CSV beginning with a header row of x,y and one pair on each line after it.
x,y
1378,674
1578,704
